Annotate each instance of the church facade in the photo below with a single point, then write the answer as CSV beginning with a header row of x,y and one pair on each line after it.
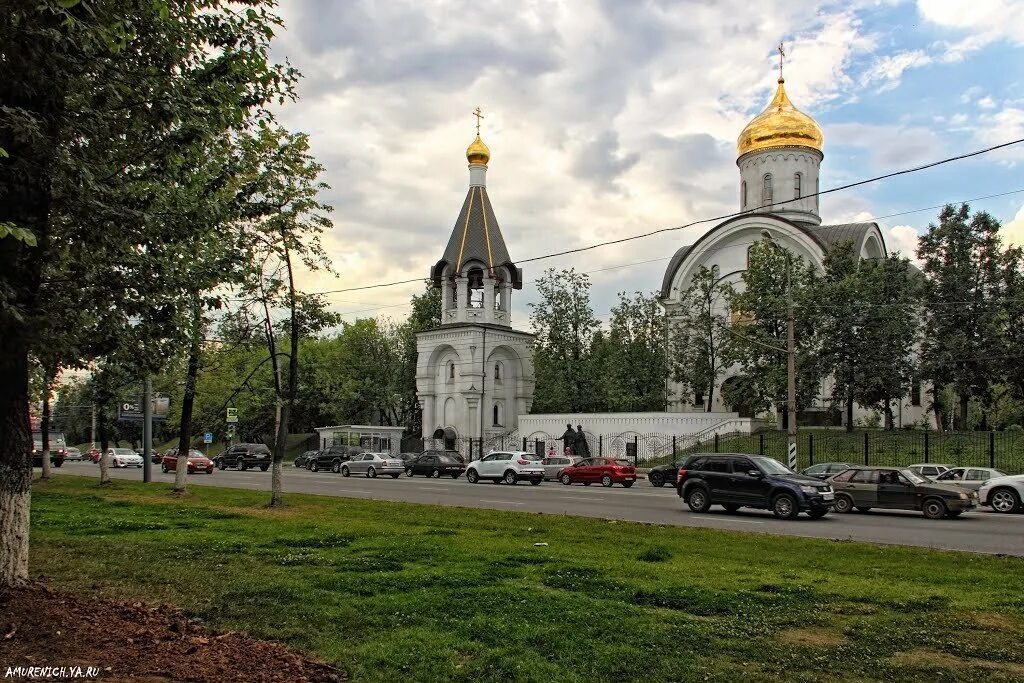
x,y
474,373
779,156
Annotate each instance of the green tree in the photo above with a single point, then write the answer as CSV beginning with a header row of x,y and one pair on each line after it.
x,y
700,343
760,335
565,325
635,364
962,259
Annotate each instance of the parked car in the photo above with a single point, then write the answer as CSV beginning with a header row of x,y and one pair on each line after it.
x,y
434,464
607,471
507,466
58,449
554,464
735,480
94,454
824,470
1003,494
242,456
302,460
156,458
969,478
197,462
406,457
454,455
331,458
123,457
372,464
664,474
73,454
929,470
891,488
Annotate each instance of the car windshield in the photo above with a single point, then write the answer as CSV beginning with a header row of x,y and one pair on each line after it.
x,y
770,466
196,454
623,463
913,477
124,451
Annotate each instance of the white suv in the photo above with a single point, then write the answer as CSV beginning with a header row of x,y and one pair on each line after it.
x,y
1003,494
508,467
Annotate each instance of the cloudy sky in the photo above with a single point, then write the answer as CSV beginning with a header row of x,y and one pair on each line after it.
x,y
608,118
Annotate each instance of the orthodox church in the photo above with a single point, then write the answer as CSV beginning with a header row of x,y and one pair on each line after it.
x,y
779,155
474,373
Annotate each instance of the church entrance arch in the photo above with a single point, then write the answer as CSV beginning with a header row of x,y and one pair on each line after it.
x,y
729,388
447,435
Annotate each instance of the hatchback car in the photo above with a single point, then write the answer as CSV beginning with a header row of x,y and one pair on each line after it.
x,y
242,456
372,464
431,465
508,467
890,488
736,480
123,457
664,474
197,462
929,470
824,470
969,478
554,464
73,454
606,471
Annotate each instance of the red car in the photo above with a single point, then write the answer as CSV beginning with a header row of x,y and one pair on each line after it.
x,y
197,462
94,454
607,471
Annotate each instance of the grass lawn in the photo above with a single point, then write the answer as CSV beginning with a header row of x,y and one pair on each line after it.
x,y
395,592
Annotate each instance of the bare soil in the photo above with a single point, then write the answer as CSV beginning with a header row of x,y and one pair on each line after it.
x,y
133,641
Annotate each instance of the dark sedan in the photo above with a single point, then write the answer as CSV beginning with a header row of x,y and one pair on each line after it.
x,y
301,460
664,474
434,465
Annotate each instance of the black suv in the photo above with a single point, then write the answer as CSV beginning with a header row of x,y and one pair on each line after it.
x,y
242,456
331,458
735,480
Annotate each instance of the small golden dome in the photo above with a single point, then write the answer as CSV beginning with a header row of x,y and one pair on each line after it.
x,y
477,153
780,125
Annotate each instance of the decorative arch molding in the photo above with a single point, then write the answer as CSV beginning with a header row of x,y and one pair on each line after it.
x,y
809,244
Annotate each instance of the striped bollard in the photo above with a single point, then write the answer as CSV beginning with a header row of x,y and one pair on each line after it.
x,y
792,456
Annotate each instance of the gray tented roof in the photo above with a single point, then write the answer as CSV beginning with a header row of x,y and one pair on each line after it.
x,y
830,235
476,237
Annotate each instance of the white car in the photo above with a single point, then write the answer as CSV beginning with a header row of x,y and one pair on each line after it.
x,y
123,457
508,467
372,464
969,478
928,469
1003,494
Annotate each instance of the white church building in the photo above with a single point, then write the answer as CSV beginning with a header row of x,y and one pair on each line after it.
x,y
779,155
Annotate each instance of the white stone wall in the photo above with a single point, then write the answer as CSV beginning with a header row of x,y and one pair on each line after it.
x,y
614,424
782,164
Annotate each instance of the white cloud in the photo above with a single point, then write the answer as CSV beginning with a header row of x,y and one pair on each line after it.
x,y
983,21
888,145
902,238
986,103
888,70
1012,232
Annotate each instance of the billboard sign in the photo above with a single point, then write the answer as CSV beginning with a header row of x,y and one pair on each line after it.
x,y
131,411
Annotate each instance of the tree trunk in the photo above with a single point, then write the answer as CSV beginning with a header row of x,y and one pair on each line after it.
x,y
15,459
937,407
849,413
292,386
44,427
187,400
104,444
887,411
964,399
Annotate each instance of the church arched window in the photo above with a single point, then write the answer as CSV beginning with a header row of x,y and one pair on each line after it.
x,y
476,288
797,182
743,194
497,372
496,413
715,272
451,370
766,190
748,254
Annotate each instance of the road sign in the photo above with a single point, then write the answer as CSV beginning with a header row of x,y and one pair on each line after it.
x,y
208,437
131,411
232,415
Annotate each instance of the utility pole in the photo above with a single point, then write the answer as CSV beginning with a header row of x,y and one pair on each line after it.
x,y
93,435
791,369
147,429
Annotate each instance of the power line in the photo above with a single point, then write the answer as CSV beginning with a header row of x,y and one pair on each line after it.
x,y
722,217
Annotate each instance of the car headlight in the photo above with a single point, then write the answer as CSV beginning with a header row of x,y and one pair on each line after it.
x,y
964,496
809,489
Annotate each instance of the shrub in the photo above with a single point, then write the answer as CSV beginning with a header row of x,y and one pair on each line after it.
x,y
655,554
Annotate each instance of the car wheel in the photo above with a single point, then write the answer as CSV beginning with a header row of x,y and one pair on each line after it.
x,y
843,504
371,473
1004,500
933,508
730,507
863,508
784,506
344,471
163,468
697,500
657,479
606,481
314,467
566,479
336,467
472,477
242,467
535,482
221,465
817,513
436,474
511,477
408,472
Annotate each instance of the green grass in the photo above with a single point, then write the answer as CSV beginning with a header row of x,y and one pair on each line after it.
x,y
394,591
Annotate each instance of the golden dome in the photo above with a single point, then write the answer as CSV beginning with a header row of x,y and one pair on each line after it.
x,y
477,153
780,125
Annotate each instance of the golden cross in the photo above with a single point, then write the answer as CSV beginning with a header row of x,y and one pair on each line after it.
x,y
479,115
782,56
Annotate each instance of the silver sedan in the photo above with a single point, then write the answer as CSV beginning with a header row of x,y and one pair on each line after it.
x,y
553,465
372,464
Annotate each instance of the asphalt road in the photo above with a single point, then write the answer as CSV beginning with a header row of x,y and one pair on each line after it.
x,y
981,531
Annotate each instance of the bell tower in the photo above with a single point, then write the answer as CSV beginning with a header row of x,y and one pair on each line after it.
x,y
474,373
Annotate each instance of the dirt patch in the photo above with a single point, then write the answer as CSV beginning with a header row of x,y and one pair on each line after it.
x,y
994,622
130,641
812,637
923,658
